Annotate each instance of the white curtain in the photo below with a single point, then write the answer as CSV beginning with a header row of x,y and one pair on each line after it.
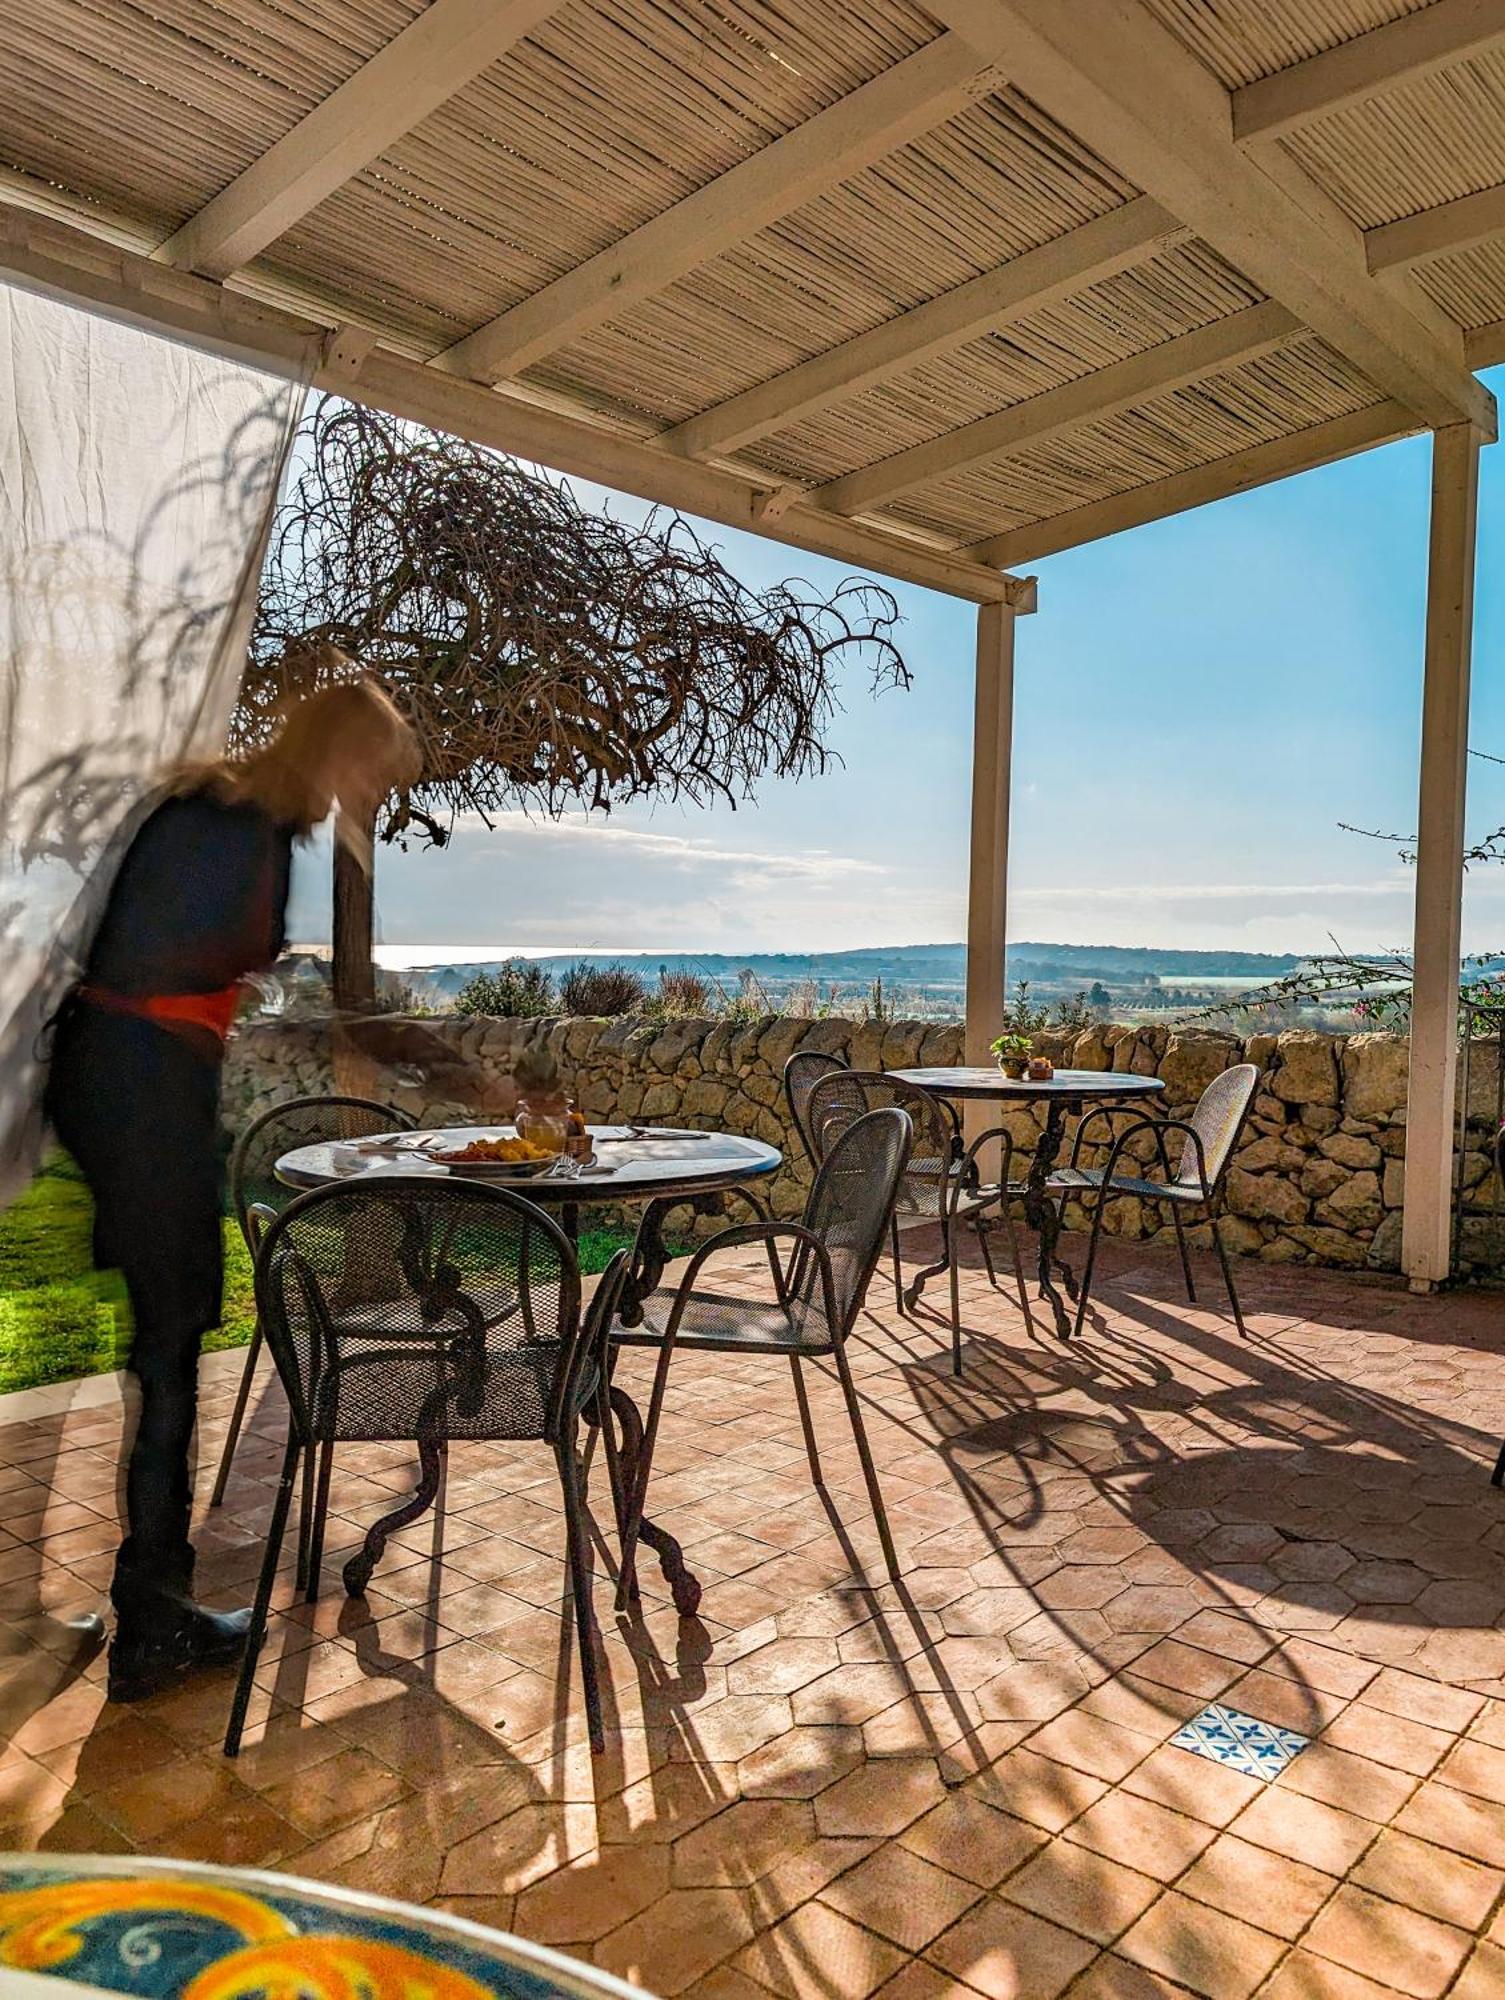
x,y
137,481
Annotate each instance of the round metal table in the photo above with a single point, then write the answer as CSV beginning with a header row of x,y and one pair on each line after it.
x,y
1067,1090
85,1925
662,1166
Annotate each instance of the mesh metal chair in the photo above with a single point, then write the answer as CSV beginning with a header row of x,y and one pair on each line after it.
x,y
941,1182
258,1197
408,1309
804,1069
1196,1181
821,1267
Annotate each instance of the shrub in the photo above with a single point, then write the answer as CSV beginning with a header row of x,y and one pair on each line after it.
x,y
685,996
602,989
518,988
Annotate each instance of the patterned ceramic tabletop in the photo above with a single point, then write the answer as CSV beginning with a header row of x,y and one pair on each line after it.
x,y
172,1930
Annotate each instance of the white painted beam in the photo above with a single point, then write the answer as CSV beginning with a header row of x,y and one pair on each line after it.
x,y
1434,232
1449,31
1242,336
1111,74
1025,284
988,869
1256,465
1426,1240
437,54
924,90
74,264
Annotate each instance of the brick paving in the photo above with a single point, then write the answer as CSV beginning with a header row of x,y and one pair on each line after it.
x,y
829,1785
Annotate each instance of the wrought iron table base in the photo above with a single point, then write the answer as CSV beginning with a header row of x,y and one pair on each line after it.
x,y
684,1587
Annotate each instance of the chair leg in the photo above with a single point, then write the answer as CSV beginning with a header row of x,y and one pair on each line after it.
x,y
1497,1477
641,1465
812,1450
1018,1257
956,1304
987,1254
893,1238
864,1452
1191,1290
1086,1288
578,1541
1238,1316
237,1416
257,1632
318,1517
605,1425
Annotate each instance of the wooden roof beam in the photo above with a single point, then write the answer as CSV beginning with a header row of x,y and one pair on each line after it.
x,y
1109,72
437,54
1242,336
923,91
82,267
1449,31
1056,270
1434,232
1256,465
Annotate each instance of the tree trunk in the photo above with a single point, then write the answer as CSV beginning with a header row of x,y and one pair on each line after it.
x,y
354,973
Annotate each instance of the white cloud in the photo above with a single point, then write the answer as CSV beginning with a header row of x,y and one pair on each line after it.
x,y
819,864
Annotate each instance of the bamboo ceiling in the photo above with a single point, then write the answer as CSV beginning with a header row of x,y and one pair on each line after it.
x,y
1147,334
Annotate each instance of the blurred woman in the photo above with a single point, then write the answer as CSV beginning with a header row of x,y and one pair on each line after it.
x,y
133,1093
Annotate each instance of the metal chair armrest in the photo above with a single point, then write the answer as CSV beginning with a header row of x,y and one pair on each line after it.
x,y
967,1177
1159,1127
804,1241
260,1216
1109,1112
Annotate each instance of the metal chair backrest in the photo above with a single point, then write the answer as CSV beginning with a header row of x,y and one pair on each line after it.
x,y
406,1307
1217,1122
802,1072
297,1121
836,1102
851,1202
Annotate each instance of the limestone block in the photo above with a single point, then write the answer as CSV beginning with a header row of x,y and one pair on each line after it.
x,y
1262,1195
1091,1049
1261,1049
778,1043
941,1047
763,1088
1384,1249
1393,1186
901,1044
1320,1119
1193,1057
1307,1068
865,1046
1375,1071
1283,1250
1322,1178
1265,1153
1241,1237
1350,1151
1332,1246
1356,1203
1268,1110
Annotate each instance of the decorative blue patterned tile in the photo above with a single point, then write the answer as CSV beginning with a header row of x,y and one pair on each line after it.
x,y
1242,1742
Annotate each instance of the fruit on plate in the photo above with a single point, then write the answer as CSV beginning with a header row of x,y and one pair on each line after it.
x,y
495,1152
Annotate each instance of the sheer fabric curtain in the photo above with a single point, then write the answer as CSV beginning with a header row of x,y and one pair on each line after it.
x,y
137,481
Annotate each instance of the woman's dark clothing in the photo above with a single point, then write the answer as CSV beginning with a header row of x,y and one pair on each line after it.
x,y
198,903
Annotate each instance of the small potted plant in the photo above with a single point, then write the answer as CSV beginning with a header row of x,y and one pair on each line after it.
x,y
1013,1053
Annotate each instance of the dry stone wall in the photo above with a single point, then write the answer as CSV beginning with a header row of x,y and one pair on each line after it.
x,y
1318,1177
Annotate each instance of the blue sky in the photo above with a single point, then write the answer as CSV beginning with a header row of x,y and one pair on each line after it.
x,y
1199,702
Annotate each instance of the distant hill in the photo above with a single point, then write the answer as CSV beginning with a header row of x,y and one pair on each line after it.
x,y
933,974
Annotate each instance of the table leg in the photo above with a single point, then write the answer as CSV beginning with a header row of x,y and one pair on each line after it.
x,y
357,1572
684,1585
1044,1218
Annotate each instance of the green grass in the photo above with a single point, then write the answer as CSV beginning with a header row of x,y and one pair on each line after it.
x,y
60,1318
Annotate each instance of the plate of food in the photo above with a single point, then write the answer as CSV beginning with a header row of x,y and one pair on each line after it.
x,y
509,1159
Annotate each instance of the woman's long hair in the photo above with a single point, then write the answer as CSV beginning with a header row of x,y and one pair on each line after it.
x,y
289,777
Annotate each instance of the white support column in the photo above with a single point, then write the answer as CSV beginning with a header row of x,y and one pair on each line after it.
x,y
988,879
1430,1111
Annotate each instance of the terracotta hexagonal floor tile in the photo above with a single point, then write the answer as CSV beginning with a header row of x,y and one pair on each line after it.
x,y
677,1940
582,1902
991,1611
1215,1955
1141,1834
1247,1881
1032,1692
901,1896
817,1950
1006,1952
801,1762
737,1845
972,1839
782,1666
518,1850
1384,1941
883,1797
1082,1890
1080,1587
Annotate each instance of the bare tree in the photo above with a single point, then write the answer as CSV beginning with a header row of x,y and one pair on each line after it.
x,y
546,655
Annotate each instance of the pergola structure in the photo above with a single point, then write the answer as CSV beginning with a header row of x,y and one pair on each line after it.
x,y
935,289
